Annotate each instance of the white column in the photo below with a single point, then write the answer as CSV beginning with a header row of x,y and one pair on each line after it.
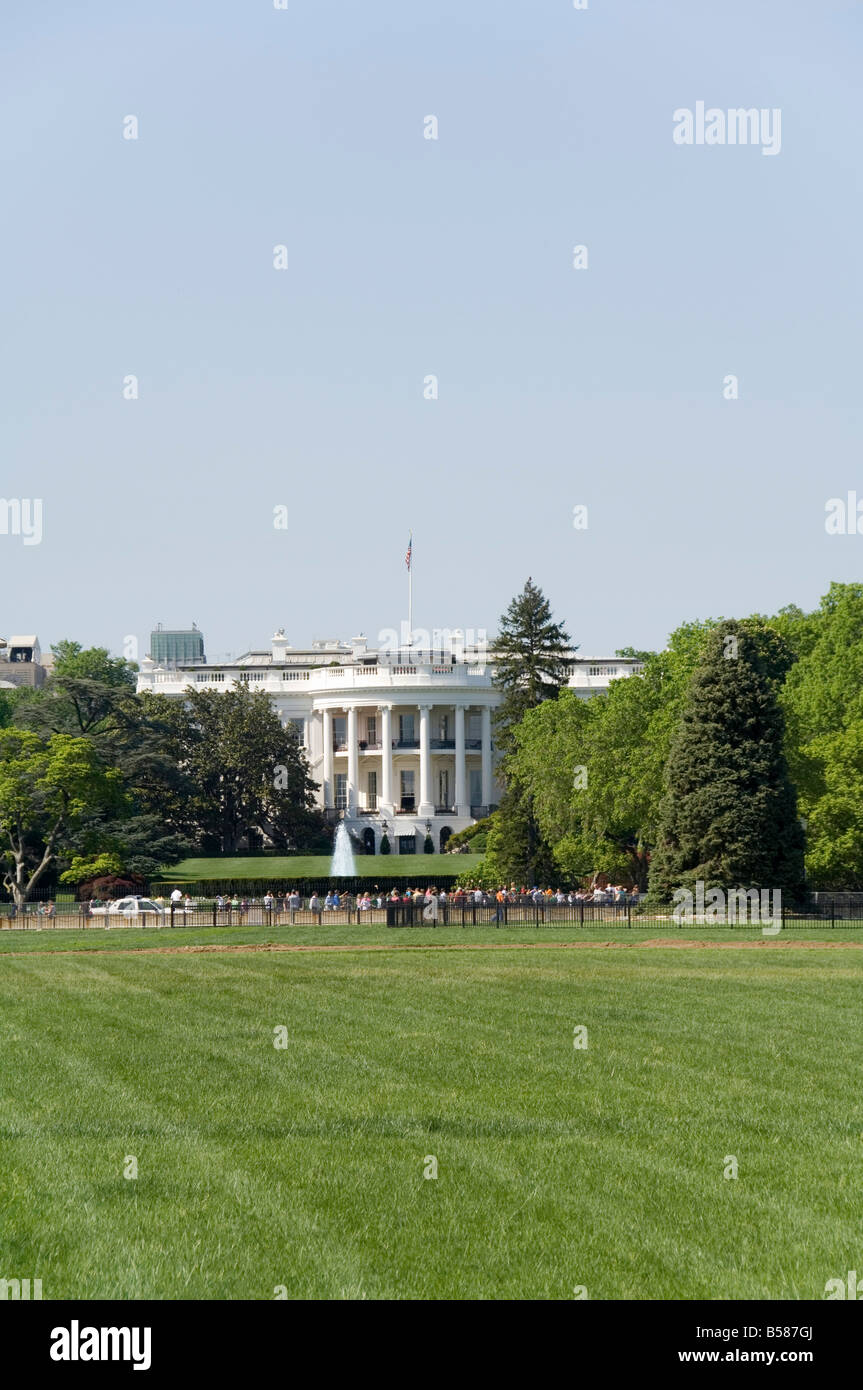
x,y
461,803
328,758
386,801
486,756
426,806
353,760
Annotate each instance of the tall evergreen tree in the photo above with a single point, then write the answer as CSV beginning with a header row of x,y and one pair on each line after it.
x,y
729,812
531,665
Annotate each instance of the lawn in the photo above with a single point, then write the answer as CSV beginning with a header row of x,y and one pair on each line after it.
x,y
302,1166
378,867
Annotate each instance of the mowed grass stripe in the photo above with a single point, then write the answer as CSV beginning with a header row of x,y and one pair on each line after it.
x,y
557,1167
16,942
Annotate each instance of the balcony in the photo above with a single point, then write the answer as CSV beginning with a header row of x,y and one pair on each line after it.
x,y
406,743
439,743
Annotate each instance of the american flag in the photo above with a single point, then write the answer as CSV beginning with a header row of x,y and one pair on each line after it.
x,y
408,555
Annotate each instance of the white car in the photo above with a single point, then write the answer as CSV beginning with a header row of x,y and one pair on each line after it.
x,y
131,907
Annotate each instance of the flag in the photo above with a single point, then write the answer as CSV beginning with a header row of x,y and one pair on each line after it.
x,y
408,555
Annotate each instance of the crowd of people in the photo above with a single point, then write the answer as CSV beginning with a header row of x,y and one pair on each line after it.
x,y
336,901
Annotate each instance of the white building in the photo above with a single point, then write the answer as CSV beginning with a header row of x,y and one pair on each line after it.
x,y
398,741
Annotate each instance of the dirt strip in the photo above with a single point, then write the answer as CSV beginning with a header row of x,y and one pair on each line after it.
x,y
661,943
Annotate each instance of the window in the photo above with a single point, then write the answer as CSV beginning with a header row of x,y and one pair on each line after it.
x,y
297,726
340,731
407,844
475,775
443,787
341,791
372,728
406,728
474,725
373,791
407,790
444,727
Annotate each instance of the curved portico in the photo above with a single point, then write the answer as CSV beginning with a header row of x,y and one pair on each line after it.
x,y
405,754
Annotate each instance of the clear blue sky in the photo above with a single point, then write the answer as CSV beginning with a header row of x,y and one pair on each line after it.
x,y
409,257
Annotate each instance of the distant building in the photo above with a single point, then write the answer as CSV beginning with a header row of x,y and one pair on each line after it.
x,y
21,662
178,647
399,741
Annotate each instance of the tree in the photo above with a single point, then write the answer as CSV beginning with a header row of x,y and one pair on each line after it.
x,y
45,788
531,660
531,665
823,703
594,767
95,664
91,695
246,776
729,813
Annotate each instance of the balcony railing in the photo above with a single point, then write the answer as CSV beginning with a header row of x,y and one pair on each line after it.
x,y
406,743
438,743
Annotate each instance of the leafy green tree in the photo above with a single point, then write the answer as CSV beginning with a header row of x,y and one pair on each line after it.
x,y
45,788
594,767
729,814
93,663
246,776
91,695
823,703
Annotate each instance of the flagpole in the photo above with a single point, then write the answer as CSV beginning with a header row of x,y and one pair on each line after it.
x,y
410,559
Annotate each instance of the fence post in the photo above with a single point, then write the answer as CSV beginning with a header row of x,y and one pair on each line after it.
x,y
214,912
581,912
172,912
832,913
628,913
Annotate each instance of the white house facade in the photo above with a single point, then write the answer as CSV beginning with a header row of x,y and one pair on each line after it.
x,y
399,742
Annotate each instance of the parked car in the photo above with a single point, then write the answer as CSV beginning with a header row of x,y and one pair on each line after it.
x,y
134,906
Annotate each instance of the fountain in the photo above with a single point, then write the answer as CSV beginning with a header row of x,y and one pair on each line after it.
x,y
342,864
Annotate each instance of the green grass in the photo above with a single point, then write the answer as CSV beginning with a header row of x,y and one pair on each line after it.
x,y
94,938
378,867
303,1167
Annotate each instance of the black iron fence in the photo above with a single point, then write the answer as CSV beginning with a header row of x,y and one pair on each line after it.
x,y
281,910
